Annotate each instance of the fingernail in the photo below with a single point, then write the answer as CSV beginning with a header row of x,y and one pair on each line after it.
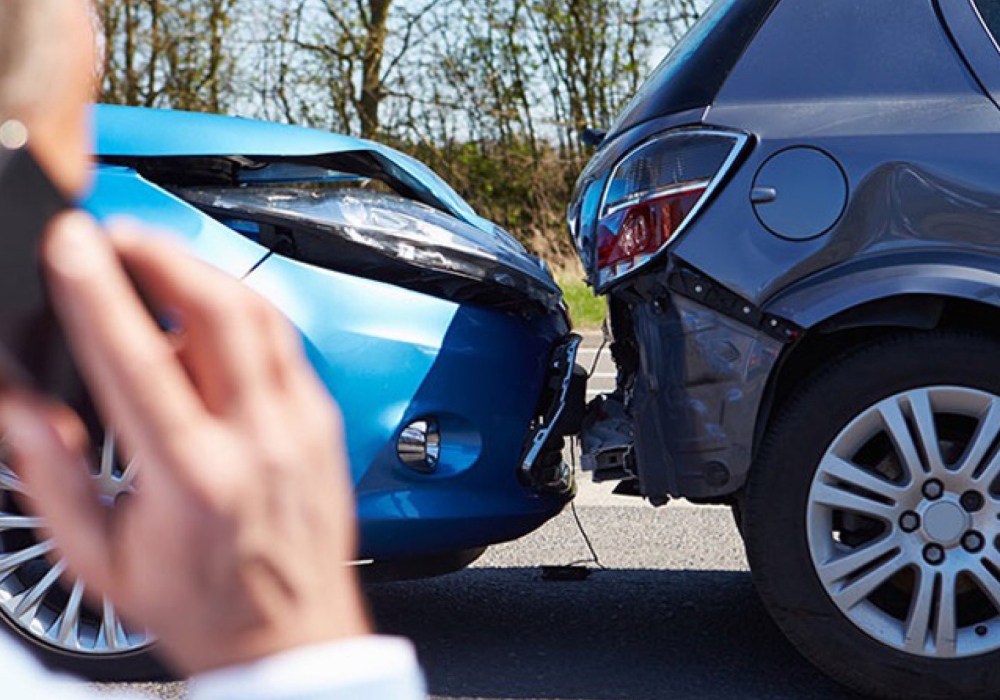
x,y
75,247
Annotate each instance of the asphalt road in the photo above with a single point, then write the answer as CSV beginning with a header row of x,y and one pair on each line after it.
x,y
597,360
673,615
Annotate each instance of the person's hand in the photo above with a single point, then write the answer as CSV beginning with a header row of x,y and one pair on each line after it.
x,y
236,542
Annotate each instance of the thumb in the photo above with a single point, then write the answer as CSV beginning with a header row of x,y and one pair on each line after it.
x,y
48,446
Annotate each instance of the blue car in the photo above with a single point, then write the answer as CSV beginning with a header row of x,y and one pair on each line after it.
x,y
446,345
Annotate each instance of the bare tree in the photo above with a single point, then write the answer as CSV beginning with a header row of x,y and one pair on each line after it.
x,y
596,52
353,54
492,93
167,53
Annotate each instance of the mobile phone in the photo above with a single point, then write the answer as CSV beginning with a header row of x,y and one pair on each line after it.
x,y
33,350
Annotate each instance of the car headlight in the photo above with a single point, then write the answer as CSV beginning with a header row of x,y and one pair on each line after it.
x,y
655,192
385,237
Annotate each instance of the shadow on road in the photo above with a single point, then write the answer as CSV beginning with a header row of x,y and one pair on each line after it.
x,y
635,634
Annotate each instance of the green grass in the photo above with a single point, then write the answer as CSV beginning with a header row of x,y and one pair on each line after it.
x,y
586,310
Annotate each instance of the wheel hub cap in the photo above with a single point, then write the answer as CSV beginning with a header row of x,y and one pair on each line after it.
x,y
945,523
903,522
34,595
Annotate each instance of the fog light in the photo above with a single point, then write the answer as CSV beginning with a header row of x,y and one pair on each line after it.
x,y
419,446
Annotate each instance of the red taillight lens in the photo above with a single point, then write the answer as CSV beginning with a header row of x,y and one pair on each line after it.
x,y
654,192
630,235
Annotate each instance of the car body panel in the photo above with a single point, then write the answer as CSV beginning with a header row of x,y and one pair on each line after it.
x,y
974,43
127,131
945,273
121,192
387,354
920,112
914,132
151,133
478,372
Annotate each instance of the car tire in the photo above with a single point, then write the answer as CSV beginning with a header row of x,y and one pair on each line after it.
x,y
136,667
736,508
47,610
861,632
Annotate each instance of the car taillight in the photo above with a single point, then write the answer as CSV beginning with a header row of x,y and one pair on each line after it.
x,y
655,192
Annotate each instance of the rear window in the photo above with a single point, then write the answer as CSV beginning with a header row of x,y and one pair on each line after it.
x,y
693,73
990,12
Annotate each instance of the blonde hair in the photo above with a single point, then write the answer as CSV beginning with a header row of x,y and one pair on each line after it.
x,y
31,63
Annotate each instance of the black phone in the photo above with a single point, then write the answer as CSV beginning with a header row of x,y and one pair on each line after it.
x,y
33,350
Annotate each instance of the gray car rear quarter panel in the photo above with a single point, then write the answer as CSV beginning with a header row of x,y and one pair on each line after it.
x,y
880,86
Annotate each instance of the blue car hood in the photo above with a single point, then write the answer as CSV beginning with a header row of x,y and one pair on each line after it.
x,y
134,132
149,143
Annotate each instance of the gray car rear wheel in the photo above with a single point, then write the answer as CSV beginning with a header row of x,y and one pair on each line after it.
x,y
872,517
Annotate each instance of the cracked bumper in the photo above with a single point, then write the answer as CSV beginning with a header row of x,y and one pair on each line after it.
x,y
542,466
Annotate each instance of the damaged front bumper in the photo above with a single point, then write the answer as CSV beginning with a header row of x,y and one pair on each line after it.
x,y
694,364
560,415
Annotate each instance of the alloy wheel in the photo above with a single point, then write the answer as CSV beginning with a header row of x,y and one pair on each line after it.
x,y
903,522
35,597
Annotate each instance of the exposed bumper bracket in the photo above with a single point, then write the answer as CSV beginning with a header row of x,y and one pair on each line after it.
x,y
542,466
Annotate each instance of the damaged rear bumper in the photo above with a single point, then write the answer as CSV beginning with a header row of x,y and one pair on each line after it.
x,y
694,365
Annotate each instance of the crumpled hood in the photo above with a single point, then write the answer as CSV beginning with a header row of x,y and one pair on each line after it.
x,y
135,132
184,153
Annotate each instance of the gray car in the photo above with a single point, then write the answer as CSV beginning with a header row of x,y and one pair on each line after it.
x,y
796,223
